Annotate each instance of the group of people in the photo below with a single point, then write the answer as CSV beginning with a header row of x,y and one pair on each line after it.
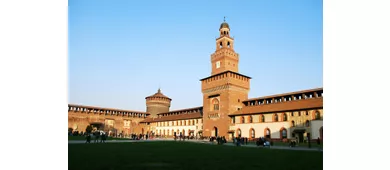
x,y
240,141
139,136
103,137
220,140
263,142
180,137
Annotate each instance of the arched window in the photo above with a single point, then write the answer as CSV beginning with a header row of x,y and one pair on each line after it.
x,y
292,113
220,44
228,44
252,132
242,119
276,117
216,104
262,118
318,116
284,117
293,123
250,119
307,123
224,32
284,133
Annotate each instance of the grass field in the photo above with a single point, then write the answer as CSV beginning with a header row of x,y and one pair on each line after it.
x,y
83,138
186,156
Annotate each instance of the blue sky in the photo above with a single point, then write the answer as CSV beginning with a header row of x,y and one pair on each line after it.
x,y
121,51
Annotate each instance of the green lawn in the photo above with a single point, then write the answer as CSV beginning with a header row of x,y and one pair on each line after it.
x,y
186,156
83,138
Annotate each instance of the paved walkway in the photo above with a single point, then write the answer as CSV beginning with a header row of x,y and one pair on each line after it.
x,y
200,141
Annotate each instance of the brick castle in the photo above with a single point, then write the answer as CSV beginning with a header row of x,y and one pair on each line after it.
x,y
226,109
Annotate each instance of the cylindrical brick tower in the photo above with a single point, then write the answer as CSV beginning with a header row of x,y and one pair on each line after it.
x,y
157,103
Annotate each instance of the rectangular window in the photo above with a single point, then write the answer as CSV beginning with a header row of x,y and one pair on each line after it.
x,y
216,106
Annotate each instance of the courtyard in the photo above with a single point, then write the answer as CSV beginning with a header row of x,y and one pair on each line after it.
x,y
187,156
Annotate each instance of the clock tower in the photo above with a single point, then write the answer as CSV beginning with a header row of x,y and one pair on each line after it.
x,y
224,58
223,91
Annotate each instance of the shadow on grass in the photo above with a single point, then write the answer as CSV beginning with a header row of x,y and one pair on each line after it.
x,y
183,155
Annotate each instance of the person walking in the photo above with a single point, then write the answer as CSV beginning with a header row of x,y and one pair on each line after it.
x,y
88,139
97,134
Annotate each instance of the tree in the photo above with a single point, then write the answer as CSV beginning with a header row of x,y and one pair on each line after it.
x,y
88,129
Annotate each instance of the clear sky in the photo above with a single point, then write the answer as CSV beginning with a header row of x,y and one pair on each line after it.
x,y
121,51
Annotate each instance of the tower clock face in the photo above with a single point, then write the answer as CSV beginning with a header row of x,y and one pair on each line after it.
x,y
218,64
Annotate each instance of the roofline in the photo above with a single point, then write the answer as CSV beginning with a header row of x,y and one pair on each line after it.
x,y
169,118
284,94
268,112
180,110
223,37
228,71
157,96
105,108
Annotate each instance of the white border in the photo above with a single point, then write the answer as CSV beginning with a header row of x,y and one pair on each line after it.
x,y
33,88
356,35
33,68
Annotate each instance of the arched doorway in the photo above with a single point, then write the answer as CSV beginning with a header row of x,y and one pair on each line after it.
x,y
267,133
239,132
321,133
283,133
252,133
97,125
215,131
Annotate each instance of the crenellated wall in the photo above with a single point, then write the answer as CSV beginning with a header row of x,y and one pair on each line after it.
x,y
123,121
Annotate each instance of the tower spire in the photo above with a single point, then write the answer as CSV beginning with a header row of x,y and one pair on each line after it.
x,y
224,19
